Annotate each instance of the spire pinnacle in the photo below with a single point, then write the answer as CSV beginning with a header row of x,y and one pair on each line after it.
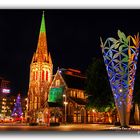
x,y
42,52
50,59
42,28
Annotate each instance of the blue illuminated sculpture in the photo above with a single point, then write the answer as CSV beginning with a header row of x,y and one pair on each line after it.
x,y
120,57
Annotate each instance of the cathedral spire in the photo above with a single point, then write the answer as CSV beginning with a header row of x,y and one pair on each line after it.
x,y
42,53
50,59
43,28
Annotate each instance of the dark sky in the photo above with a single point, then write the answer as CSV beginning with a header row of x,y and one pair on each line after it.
x,y
73,38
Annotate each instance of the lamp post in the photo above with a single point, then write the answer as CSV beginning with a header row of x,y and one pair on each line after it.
x,y
65,103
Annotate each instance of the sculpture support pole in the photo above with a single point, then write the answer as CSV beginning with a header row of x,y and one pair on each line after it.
x,y
120,57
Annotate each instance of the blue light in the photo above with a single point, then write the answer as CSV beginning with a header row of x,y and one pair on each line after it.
x,y
121,65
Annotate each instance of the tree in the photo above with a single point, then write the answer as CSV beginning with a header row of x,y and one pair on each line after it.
x,y
97,86
17,111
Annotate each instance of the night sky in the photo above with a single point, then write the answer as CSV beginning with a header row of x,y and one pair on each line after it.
x,y
73,38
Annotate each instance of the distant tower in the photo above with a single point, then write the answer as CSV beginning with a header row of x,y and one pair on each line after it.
x,y
41,69
17,111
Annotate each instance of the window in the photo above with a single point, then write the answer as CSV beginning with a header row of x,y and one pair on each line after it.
x,y
74,95
36,75
33,75
57,83
81,94
35,105
78,94
3,103
42,75
47,75
71,93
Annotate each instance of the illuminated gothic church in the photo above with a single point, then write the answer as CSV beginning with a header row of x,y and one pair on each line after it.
x,y
41,69
58,98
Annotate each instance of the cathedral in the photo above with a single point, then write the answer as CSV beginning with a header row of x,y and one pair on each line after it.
x,y
41,70
55,98
58,98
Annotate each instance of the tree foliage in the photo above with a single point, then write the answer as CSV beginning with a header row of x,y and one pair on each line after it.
x,y
97,86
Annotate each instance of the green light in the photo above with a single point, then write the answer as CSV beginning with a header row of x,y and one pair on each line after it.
x,y
42,28
55,95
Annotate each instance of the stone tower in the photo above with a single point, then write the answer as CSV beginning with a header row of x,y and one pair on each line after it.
x,y
41,69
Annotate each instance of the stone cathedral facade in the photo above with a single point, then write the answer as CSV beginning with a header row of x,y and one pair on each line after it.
x,y
41,69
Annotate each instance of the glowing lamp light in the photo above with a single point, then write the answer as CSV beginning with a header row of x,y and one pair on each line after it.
x,y
4,90
93,110
120,90
65,103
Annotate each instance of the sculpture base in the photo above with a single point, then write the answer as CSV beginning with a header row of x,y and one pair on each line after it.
x,y
125,126
124,115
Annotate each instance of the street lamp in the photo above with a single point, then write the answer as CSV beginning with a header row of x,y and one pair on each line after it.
x,y
94,115
65,103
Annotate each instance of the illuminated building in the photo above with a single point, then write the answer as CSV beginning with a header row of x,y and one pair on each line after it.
x,y
4,100
6,106
59,97
4,87
41,69
7,101
67,90
41,82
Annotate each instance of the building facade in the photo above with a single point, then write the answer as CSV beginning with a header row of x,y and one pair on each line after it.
x,y
59,97
68,90
5,102
41,69
41,108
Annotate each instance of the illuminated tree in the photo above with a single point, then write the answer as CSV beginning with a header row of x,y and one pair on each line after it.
x,y
17,111
97,87
120,57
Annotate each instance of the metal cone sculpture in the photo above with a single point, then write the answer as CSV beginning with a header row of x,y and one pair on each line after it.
x,y
120,57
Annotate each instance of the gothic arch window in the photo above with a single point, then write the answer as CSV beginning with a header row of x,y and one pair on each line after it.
x,y
74,93
70,109
42,75
82,112
82,95
36,75
57,83
33,75
46,75
35,103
